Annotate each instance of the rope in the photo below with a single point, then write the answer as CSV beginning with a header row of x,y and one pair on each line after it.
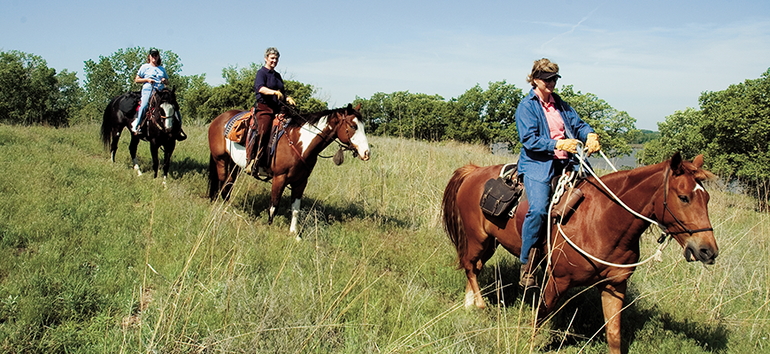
x,y
569,180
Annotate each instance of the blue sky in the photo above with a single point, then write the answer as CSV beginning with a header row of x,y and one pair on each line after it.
x,y
649,58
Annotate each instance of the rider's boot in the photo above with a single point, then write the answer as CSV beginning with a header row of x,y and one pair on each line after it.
x,y
250,160
180,135
527,275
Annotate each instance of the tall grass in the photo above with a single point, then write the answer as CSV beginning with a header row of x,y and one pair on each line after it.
x,y
96,259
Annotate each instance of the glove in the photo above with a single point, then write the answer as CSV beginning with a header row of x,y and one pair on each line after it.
x,y
592,143
290,101
279,94
568,145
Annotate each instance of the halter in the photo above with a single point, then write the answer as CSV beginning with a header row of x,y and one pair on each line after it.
x,y
685,229
343,146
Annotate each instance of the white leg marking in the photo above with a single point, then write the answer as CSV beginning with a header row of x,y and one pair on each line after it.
x,y
469,299
294,216
136,167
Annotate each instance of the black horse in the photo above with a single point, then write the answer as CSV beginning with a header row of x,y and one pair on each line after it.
x,y
162,126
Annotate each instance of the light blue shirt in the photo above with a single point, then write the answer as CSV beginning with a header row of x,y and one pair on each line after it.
x,y
153,72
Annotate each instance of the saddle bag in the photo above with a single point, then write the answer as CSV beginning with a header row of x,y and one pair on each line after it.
x,y
501,195
239,128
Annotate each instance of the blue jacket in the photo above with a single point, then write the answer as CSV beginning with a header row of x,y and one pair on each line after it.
x,y
536,159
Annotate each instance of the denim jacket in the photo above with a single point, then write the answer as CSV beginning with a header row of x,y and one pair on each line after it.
x,y
536,159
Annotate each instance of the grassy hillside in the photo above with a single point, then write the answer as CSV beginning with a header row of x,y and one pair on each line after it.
x,y
94,259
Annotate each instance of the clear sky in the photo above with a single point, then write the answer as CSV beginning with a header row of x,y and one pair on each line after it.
x,y
649,58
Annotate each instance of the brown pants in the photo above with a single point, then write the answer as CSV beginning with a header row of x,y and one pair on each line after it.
x,y
260,123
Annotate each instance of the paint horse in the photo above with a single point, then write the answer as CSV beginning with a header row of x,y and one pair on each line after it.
x,y
162,126
670,193
296,153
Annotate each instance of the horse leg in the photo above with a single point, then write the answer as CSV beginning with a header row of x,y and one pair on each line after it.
x,y
477,254
297,189
115,138
155,160
132,150
279,184
612,305
168,150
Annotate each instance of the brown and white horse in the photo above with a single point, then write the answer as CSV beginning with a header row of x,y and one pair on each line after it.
x,y
295,155
669,193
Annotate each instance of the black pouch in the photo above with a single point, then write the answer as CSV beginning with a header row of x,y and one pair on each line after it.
x,y
500,197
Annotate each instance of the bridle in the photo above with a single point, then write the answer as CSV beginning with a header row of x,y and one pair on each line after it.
x,y
685,229
343,145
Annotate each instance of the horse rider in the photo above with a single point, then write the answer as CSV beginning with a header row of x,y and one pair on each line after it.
x,y
152,76
549,131
269,92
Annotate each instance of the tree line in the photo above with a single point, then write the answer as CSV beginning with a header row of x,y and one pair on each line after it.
x,y
731,128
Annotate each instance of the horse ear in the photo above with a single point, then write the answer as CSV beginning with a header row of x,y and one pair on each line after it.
x,y
358,107
676,163
349,107
698,161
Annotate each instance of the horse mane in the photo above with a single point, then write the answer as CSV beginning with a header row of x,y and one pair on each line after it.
x,y
313,118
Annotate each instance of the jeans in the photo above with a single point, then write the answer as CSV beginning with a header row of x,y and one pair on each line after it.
x,y
539,197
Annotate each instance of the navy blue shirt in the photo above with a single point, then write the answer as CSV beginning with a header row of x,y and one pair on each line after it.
x,y
272,80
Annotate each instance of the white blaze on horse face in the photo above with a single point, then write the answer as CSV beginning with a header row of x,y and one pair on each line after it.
x,y
360,141
168,108
309,132
698,187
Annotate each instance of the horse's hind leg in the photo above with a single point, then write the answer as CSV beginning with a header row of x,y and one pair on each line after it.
x,y
132,147
114,139
477,253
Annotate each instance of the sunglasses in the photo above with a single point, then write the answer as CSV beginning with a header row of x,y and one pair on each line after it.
x,y
553,79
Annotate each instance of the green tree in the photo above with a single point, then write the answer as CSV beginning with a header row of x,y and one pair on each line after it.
x,y
486,116
404,114
681,131
736,131
616,129
33,93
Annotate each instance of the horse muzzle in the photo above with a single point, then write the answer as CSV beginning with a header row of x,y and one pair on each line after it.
x,y
702,253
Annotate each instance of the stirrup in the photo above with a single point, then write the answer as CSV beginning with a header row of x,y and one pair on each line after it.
x,y
527,279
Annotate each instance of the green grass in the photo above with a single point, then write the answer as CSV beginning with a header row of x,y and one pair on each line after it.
x,y
94,259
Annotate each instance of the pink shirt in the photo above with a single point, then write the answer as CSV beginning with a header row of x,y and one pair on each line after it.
x,y
555,124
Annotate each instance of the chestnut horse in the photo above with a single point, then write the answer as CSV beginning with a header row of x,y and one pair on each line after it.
x,y
296,153
162,125
670,193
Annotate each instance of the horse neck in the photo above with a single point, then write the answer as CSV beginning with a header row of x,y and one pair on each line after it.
x,y
638,189
324,130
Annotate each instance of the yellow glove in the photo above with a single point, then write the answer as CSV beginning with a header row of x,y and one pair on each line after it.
x,y
290,101
279,94
592,143
568,145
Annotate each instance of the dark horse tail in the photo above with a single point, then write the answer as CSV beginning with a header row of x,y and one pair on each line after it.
x,y
108,123
453,224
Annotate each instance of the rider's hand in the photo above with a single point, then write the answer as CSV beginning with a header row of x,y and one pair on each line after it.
x,y
290,101
279,95
592,143
568,145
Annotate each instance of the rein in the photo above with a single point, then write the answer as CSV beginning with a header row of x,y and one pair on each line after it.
x,y
343,146
663,240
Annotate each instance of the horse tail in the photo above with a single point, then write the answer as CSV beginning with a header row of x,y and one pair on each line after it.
x,y
108,124
453,224
213,179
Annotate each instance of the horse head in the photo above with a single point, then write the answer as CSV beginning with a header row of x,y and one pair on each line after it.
x,y
350,131
684,209
165,108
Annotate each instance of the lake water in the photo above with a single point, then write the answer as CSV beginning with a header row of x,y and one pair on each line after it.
x,y
596,160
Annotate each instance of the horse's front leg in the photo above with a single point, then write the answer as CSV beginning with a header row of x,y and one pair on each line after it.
x,y
168,150
612,305
279,184
297,190
155,160
132,147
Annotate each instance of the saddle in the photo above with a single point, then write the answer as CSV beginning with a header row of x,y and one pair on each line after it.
x,y
129,103
502,194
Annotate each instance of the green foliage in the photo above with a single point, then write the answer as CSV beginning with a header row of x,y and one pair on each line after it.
x,y
418,116
33,93
681,131
646,136
616,129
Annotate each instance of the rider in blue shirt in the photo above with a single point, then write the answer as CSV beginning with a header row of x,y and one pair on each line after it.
x,y
152,76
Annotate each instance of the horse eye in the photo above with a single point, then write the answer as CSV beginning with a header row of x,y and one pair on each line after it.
x,y
684,199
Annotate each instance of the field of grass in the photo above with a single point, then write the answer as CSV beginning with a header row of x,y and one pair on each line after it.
x,y
94,259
